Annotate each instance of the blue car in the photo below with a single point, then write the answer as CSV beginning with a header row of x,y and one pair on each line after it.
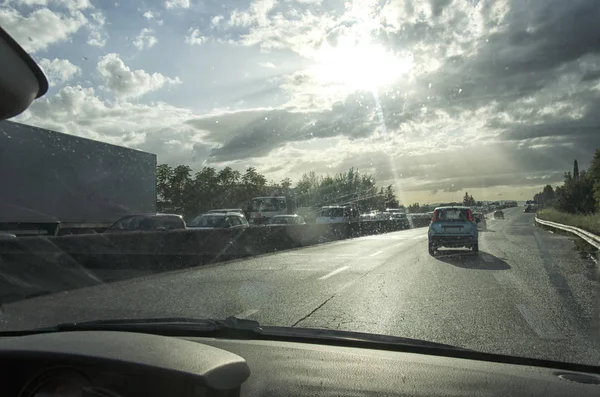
x,y
453,227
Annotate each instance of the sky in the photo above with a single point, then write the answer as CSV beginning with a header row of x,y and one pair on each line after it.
x,y
436,97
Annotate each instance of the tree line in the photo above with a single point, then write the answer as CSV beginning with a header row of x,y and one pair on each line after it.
x,y
180,190
579,193
417,208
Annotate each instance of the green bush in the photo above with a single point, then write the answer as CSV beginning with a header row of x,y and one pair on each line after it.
x,y
590,222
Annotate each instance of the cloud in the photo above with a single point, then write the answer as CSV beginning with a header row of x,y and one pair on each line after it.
x,y
256,14
150,15
268,65
59,70
177,4
194,37
482,93
156,127
127,83
97,36
73,4
41,28
68,4
145,39
216,20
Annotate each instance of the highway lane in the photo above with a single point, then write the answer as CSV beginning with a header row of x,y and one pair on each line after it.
x,y
529,292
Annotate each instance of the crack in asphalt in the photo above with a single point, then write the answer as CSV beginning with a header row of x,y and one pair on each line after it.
x,y
313,311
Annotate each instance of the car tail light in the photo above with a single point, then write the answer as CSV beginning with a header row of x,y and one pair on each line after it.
x,y
470,215
435,216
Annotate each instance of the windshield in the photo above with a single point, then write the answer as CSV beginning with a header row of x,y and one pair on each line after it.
x,y
361,116
208,220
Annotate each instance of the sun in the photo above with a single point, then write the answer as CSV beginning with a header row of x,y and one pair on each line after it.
x,y
356,67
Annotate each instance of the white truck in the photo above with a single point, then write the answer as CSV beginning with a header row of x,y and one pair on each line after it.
x,y
261,209
55,183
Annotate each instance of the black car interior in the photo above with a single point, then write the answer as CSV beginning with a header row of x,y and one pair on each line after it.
x,y
112,363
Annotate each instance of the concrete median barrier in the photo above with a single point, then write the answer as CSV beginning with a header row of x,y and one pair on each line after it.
x,y
34,266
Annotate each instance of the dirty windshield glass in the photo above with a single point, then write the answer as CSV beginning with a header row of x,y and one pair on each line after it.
x,y
361,116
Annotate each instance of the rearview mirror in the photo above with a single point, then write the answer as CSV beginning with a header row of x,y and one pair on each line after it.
x,y
21,79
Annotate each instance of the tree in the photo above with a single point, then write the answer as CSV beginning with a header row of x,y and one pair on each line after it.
x,y
548,192
545,198
594,175
577,194
468,201
575,170
163,181
390,198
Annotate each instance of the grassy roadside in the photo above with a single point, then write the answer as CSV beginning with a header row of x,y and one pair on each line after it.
x,y
591,223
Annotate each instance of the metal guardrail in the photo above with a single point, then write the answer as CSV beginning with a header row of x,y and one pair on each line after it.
x,y
588,237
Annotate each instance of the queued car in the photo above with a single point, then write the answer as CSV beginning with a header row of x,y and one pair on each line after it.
x,y
337,214
480,220
147,223
452,227
499,214
219,220
279,220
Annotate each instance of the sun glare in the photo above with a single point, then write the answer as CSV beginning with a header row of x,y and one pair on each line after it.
x,y
359,67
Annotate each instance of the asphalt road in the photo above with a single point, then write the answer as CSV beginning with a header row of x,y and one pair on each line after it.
x,y
528,292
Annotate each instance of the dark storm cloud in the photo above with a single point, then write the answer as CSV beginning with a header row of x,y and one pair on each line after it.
x,y
255,133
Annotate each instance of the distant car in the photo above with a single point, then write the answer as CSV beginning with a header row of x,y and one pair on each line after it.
x,y
148,223
337,214
286,220
452,227
219,220
480,220
499,215
529,208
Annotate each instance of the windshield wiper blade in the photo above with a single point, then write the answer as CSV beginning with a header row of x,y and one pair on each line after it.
x,y
236,328
171,326
233,327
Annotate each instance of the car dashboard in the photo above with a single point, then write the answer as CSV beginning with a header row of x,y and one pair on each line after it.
x,y
109,363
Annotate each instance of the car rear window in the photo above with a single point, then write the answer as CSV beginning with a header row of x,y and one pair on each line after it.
x,y
452,214
208,220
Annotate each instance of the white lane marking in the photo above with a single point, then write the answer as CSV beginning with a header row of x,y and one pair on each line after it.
x,y
539,325
247,313
419,237
333,273
398,245
376,253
